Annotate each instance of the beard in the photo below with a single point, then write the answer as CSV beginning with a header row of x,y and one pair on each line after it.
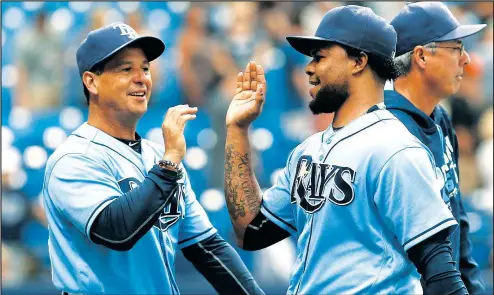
x,y
329,98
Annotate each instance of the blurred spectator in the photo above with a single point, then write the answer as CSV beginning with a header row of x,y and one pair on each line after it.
x,y
205,75
485,51
40,66
15,210
312,13
483,197
243,36
203,63
97,20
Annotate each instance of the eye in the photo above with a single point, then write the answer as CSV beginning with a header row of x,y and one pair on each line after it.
x,y
127,69
145,69
317,57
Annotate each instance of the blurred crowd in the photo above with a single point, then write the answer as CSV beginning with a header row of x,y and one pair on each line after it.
x,y
207,45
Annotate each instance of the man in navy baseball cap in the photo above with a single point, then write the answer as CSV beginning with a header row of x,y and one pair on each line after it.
x,y
351,25
424,22
104,42
431,59
114,199
388,172
366,40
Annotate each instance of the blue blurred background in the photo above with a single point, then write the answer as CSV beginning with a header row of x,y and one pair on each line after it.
x,y
207,45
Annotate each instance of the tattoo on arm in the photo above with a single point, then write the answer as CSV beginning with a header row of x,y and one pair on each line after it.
x,y
240,188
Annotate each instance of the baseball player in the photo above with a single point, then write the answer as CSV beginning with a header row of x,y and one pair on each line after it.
x,y
360,196
431,62
119,206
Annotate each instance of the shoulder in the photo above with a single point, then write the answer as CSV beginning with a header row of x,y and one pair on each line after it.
x,y
76,151
388,136
382,129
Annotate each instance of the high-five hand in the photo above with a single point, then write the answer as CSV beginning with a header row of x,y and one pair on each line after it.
x,y
249,97
173,131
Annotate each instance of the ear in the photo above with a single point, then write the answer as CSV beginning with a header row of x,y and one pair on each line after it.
x,y
91,81
359,63
419,57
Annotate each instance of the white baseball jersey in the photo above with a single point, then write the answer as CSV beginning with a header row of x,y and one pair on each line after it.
x,y
357,200
83,176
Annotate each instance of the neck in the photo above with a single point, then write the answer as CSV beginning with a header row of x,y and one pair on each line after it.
x,y
361,99
116,126
416,91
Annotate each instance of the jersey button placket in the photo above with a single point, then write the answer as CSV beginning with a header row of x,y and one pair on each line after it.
x,y
324,148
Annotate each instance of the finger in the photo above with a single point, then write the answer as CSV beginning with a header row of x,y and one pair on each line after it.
x,y
173,112
246,79
260,75
260,93
261,79
184,119
187,110
240,78
253,76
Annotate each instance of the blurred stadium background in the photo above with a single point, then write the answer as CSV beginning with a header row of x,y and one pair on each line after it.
x,y
207,45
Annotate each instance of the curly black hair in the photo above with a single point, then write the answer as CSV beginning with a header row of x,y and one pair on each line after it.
x,y
383,66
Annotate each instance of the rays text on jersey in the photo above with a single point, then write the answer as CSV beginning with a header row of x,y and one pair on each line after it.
x,y
314,183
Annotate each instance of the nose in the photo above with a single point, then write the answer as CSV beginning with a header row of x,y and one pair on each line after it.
x,y
139,77
465,58
310,69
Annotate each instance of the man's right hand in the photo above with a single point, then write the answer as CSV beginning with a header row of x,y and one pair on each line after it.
x,y
249,97
173,131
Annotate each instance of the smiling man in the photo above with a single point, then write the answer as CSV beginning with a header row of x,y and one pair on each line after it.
x,y
118,206
360,196
431,59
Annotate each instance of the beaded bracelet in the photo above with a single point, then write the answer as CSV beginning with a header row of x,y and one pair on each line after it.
x,y
166,164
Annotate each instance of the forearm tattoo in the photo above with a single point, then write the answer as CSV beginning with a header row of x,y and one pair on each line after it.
x,y
240,189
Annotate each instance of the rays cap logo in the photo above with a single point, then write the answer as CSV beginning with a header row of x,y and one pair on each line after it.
x,y
103,43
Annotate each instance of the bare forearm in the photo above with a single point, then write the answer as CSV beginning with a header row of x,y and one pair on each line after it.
x,y
242,192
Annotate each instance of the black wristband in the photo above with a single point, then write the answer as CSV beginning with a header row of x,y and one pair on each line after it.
x,y
166,174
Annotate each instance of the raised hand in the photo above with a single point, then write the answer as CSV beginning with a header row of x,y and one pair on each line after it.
x,y
173,131
249,97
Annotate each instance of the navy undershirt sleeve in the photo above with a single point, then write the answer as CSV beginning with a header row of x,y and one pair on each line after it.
x,y
434,262
222,267
126,219
262,233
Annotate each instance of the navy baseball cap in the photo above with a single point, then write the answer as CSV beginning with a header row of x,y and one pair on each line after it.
x,y
420,23
102,43
355,26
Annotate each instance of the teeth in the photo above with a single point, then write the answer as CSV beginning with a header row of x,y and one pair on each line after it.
x,y
137,94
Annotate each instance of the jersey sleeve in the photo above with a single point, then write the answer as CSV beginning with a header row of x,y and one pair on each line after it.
x,y
276,202
408,197
196,225
80,188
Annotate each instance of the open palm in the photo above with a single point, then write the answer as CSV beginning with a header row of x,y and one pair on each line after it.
x,y
249,96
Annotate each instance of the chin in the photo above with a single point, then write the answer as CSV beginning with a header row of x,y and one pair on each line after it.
x,y
139,109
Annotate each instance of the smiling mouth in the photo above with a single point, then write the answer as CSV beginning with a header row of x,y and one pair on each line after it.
x,y
139,94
